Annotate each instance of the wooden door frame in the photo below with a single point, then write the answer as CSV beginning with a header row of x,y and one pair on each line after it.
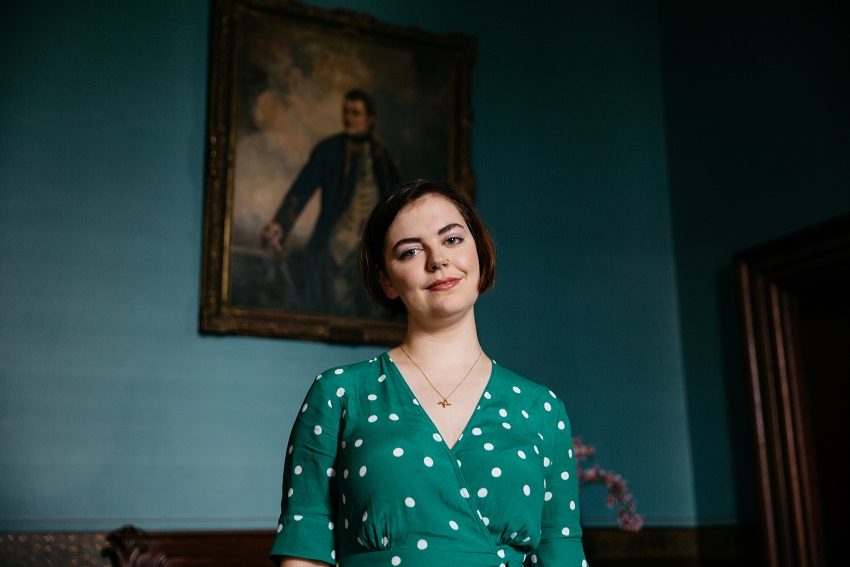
x,y
770,278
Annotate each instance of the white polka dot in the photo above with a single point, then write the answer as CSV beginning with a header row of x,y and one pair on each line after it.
x,y
521,454
437,437
429,462
409,502
317,430
561,425
458,463
343,498
546,461
382,377
482,492
297,517
330,405
565,475
319,377
343,444
496,472
396,560
488,446
385,540
525,414
365,515
540,435
547,406
398,452
358,442
372,397
526,490
503,412
547,497
280,528
289,492
331,472
486,520
415,402
476,431
339,371
501,553
346,523
362,471
344,473
551,393
534,559
517,390
536,450
565,531
330,525
393,417
372,418
421,544
570,453
464,492
583,563
333,554
340,392
572,504
303,408
453,525
290,449
506,425
297,469
487,395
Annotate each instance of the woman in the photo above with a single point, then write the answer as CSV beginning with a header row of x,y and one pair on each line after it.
x,y
430,453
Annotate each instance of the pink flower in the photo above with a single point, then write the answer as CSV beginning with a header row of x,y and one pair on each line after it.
x,y
618,491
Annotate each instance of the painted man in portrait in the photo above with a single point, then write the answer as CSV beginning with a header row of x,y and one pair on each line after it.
x,y
353,171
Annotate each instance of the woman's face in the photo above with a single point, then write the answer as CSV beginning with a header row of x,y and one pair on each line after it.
x,y
431,261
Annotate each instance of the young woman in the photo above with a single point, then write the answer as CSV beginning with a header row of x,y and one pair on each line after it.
x,y
430,453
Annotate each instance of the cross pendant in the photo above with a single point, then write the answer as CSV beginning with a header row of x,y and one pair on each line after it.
x,y
445,403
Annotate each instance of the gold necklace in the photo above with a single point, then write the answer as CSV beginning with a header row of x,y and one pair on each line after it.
x,y
445,399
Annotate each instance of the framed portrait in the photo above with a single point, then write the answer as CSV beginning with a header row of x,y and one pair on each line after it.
x,y
314,115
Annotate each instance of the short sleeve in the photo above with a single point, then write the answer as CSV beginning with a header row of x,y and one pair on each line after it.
x,y
560,538
305,528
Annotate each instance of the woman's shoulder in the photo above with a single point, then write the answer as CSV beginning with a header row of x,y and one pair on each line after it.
x,y
516,381
347,373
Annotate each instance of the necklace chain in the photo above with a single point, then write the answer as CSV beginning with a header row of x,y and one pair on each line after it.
x,y
445,399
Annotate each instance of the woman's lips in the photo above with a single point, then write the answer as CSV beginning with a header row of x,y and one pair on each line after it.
x,y
441,285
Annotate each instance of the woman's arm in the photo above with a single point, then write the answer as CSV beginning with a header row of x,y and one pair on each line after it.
x,y
295,562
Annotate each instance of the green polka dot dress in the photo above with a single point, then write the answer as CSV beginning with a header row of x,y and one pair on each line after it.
x,y
369,481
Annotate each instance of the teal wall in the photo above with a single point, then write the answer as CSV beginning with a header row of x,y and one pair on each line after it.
x,y
758,131
114,409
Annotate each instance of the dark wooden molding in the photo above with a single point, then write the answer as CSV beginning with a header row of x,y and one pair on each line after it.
x,y
130,546
771,277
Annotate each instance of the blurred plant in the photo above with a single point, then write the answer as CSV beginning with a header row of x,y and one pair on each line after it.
x,y
619,494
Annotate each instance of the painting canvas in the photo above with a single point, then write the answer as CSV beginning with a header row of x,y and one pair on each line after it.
x,y
314,115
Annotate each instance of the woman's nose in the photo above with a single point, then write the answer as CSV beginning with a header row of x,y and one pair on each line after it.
x,y
438,262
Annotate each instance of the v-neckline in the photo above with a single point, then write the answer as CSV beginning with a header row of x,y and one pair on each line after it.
x,y
475,408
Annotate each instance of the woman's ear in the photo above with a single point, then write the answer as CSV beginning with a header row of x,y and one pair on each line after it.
x,y
387,285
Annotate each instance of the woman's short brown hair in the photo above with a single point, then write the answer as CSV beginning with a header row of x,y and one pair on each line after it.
x,y
373,240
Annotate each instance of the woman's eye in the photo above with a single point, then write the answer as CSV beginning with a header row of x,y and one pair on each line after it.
x,y
409,253
454,240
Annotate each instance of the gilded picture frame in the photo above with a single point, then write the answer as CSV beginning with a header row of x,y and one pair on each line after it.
x,y
289,178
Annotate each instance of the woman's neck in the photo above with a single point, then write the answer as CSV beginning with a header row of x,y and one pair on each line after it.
x,y
444,345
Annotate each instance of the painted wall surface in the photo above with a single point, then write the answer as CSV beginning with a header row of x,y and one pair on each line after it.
x,y
759,139
114,409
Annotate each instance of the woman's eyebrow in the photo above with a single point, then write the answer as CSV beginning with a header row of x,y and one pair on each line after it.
x,y
450,226
417,239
